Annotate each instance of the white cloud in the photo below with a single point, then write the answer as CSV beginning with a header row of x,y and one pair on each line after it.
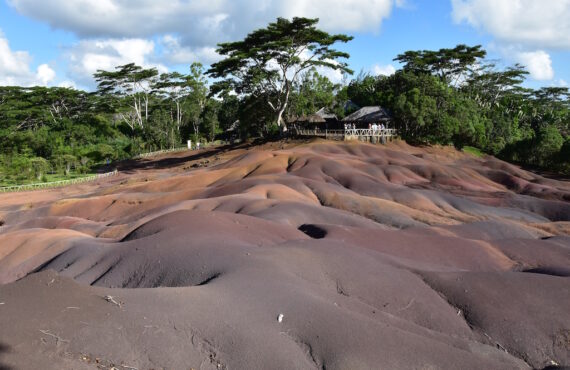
x,y
199,23
15,68
538,64
342,15
68,83
530,23
562,83
175,53
88,56
115,32
386,70
524,30
45,74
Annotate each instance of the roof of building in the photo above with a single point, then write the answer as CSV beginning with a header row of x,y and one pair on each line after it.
x,y
369,114
311,118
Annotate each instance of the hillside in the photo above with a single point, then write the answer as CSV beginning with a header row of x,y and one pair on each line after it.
x,y
390,257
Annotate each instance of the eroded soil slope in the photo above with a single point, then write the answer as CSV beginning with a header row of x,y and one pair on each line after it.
x,y
374,257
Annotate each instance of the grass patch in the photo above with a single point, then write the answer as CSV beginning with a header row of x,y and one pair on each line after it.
x,y
473,151
48,178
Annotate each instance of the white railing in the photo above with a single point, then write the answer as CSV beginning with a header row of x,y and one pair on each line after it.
x,y
386,132
56,184
349,133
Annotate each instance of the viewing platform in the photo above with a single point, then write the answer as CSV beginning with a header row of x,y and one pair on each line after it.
x,y
361,134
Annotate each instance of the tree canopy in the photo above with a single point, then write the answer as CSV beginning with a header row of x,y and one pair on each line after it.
x,y
268,61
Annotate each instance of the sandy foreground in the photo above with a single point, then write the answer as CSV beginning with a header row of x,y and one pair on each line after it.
x,y
290,255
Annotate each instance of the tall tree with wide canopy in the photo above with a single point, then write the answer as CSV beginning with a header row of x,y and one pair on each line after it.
x,y
132,82
171,87
450,65
268,61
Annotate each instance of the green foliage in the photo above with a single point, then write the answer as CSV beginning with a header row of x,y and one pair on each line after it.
x,y
364,90
267,63
473,151
210,125
548,144
133,84
39,166
449,65
259,117
311,93
228,112
452,96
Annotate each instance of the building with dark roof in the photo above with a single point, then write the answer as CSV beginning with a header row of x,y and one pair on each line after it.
x,y
368,115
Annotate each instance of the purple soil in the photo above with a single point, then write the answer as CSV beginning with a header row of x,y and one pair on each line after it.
x,y
376,256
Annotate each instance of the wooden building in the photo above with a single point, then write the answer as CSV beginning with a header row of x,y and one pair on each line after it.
x,y
366,116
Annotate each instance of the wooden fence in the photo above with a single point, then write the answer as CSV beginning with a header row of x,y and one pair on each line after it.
x,y
56,184
152,154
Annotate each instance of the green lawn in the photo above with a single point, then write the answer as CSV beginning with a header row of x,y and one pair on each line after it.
x,y
474,151
49,178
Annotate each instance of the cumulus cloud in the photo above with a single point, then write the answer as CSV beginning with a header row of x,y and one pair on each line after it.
x,y
533,24
115,32
198,22
88,56
538,64
386,70
341,15
45,74
522,29
175,53
15,68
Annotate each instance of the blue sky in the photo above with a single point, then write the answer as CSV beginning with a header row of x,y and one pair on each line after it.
x,y
62,42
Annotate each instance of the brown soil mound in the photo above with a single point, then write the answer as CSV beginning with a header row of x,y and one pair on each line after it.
x,y
290,255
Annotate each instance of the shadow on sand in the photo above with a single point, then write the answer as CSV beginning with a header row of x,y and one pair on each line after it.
x,y
131,165
4,349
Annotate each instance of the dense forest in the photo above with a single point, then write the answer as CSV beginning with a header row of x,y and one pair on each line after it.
x,y
448,96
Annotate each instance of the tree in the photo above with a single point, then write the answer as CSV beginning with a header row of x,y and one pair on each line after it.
x,y
363,91
195,99
209,119
172,86
548,144
268,61
133,83
450,65
228,112
312,92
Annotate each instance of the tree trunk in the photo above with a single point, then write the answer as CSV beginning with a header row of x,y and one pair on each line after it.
x,y
280,121
178,118
146,108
